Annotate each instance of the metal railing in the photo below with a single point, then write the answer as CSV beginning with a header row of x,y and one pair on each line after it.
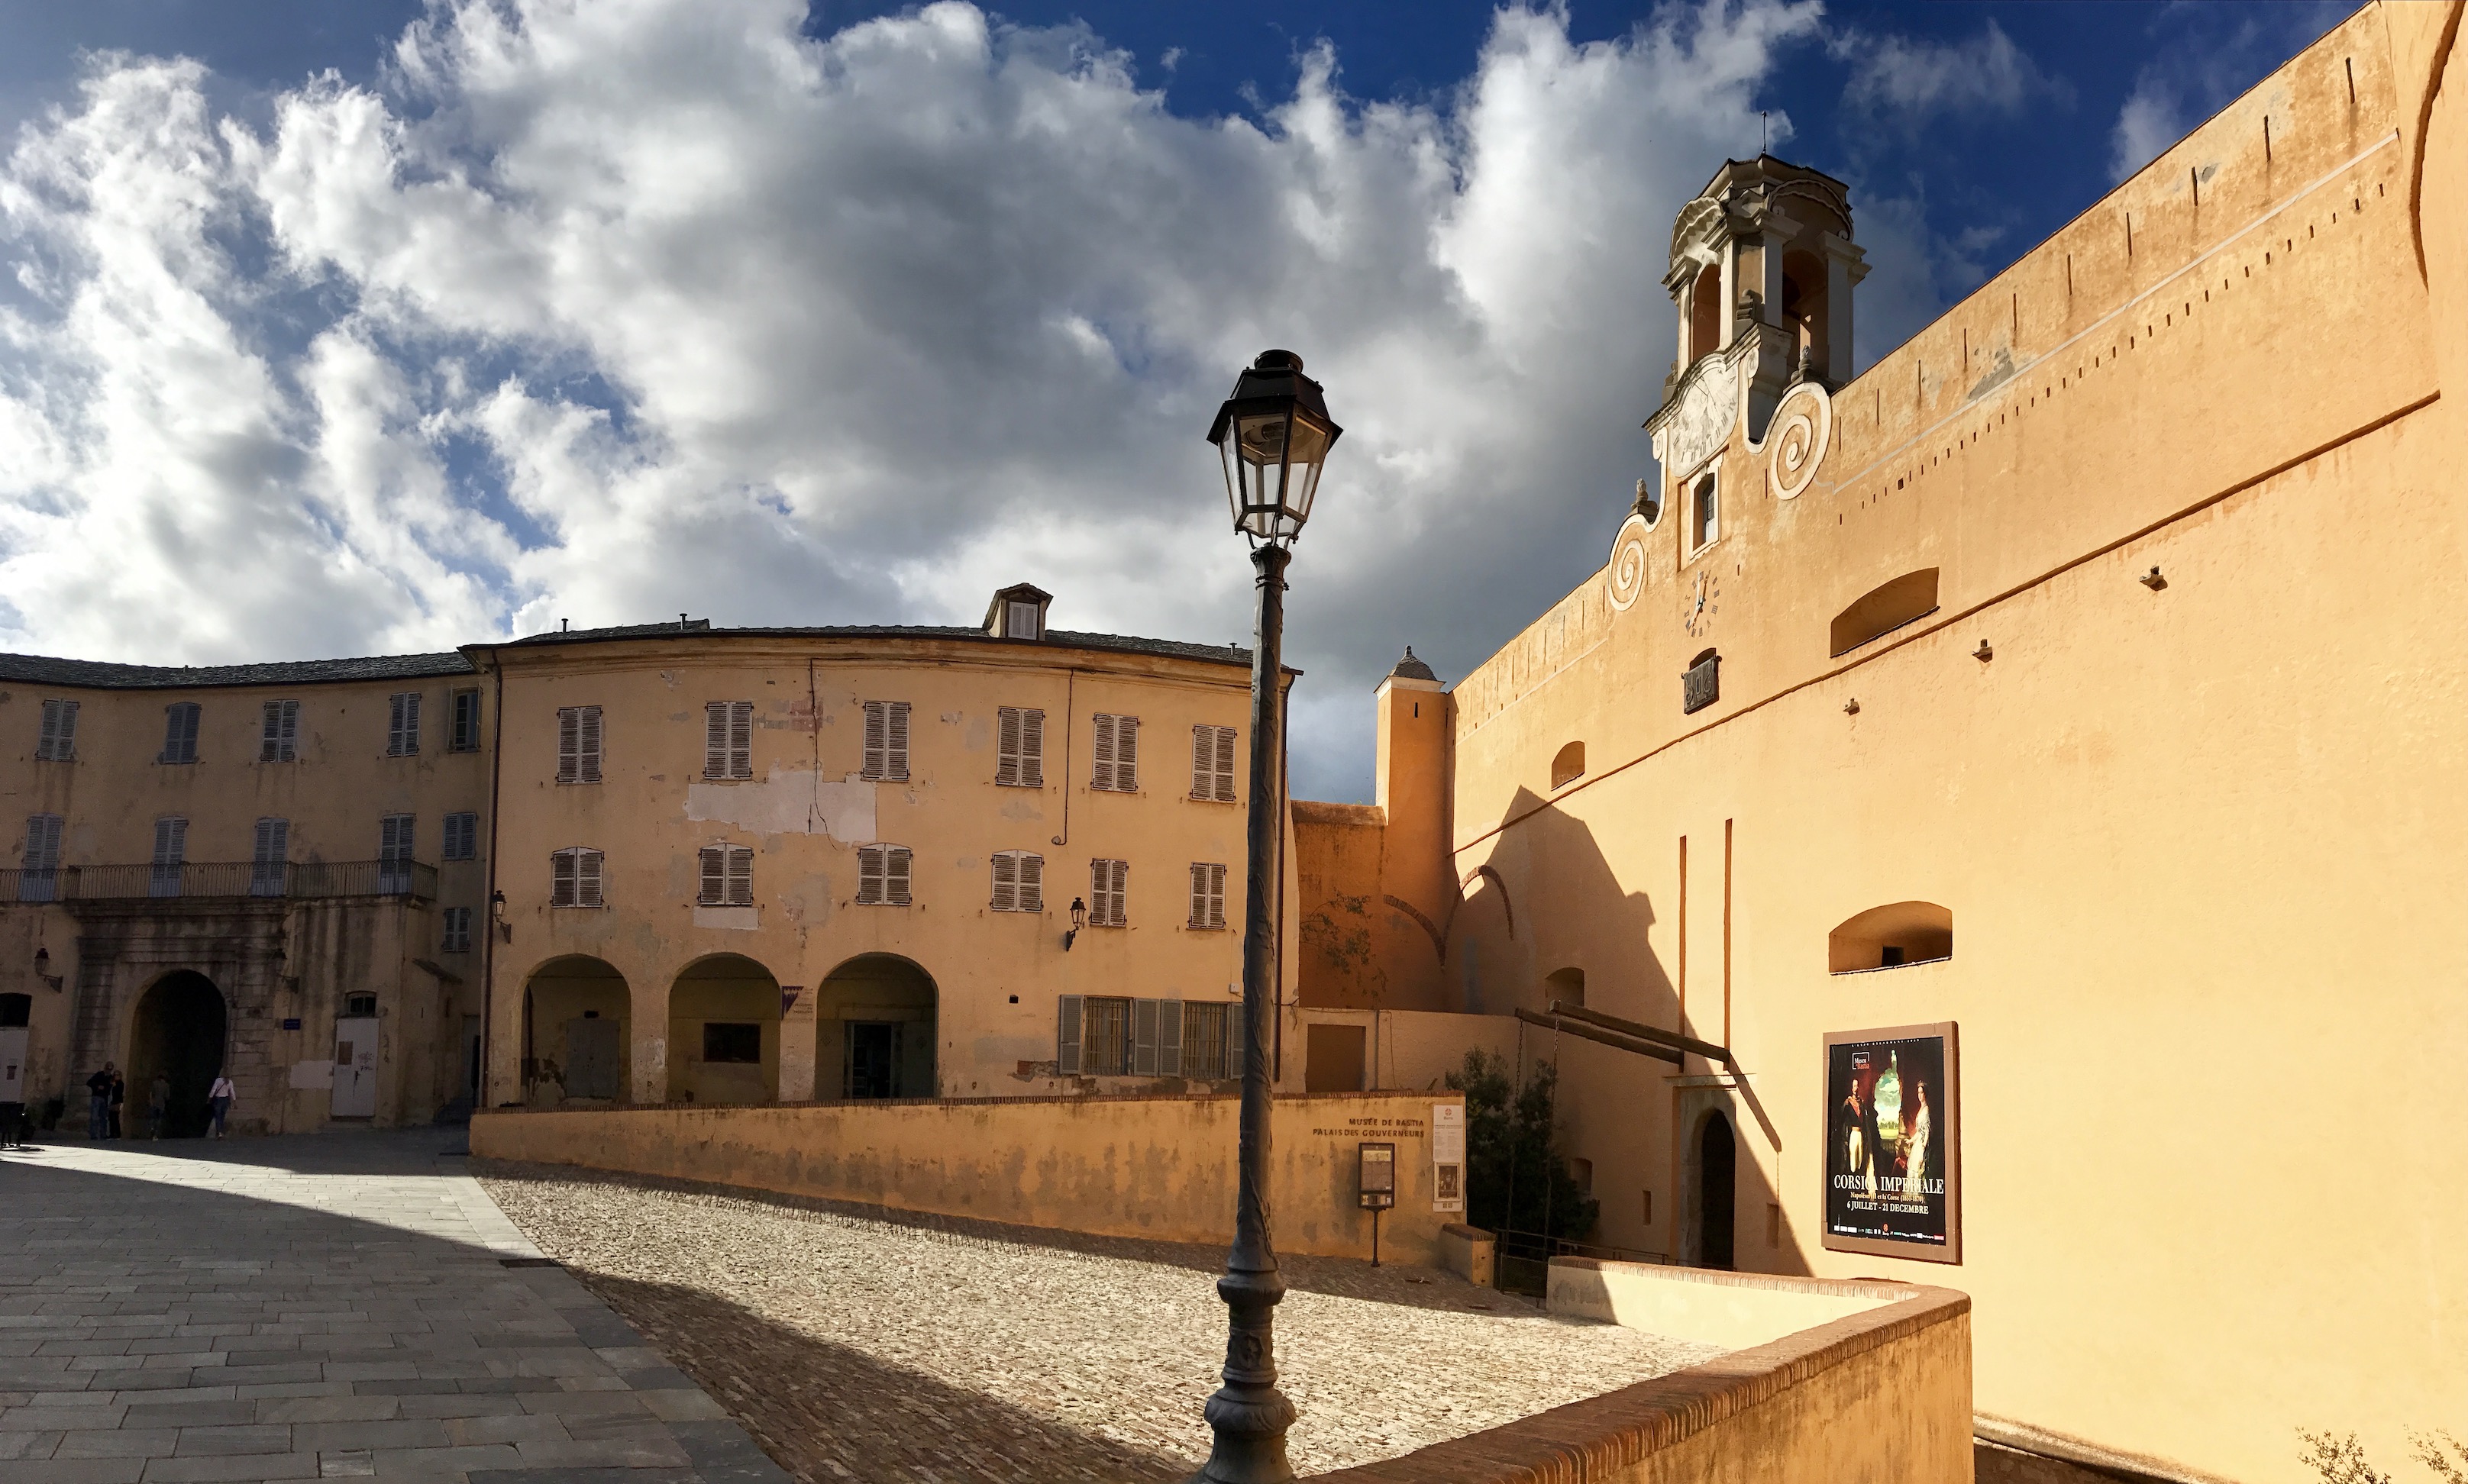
x,y
209,878
1521,1260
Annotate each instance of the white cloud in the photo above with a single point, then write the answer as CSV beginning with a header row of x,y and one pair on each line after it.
x,y
1911,80
605,311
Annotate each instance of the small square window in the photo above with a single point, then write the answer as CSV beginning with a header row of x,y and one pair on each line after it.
x,y
737,1041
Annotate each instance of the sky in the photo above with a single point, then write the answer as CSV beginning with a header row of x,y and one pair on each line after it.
x,y
382,327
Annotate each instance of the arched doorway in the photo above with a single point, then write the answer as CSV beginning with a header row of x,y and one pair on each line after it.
x,y
178,1032
1716,1170
876,1028
577,1014
724,1032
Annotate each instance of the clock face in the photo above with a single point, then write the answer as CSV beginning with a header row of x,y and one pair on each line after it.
x,y
1699,605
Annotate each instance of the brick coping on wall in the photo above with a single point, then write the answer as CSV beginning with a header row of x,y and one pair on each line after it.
x,y
1233,1091
1596,1437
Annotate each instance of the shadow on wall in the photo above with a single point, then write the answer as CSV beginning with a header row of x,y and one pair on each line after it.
x,y
1501,954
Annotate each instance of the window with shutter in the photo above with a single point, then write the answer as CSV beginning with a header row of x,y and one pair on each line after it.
x,y
464,735
1207,1040
1006,896
58,742
1067,1034
886,740
180,732
574,877
402,725
279,741
462,836
268,862
39,881
171,849
1019,760
1117,750
1106,883
1032,883
728,739
1020,882
1207,894
714,876
1144,1037
740,876
1212,764
882,876
586,878
394,853
577,744
458,931
1106,1036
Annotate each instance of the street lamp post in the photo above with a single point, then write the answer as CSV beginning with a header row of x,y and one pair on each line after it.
x,y
1274,434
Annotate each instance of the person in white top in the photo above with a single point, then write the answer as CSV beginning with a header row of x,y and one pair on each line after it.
x,y
219,1102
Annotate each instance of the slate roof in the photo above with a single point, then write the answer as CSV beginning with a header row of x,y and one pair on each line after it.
x,y
105,675
1055,638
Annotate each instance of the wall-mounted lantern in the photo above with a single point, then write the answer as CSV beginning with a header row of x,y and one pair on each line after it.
x,y
1079,921
43,970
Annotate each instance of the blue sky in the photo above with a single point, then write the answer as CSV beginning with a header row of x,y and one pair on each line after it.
x,y
353,328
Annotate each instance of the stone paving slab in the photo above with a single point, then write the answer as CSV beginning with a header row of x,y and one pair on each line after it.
x,y
336,1306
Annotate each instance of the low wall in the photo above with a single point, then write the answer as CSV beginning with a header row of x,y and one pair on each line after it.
x,y
1469,1251
1737,1310
1881,1393
1160,1168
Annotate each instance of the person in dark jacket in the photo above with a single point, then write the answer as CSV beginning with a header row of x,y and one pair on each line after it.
x,y
119,1096
98,1123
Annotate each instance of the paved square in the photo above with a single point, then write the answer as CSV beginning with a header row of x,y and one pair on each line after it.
x,y
333,1306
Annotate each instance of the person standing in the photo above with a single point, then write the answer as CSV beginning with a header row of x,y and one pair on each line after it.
x,y
219,1102
97,1124
158,1104
119,1097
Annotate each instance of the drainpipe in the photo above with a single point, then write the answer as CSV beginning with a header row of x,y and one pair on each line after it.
x,y
489,905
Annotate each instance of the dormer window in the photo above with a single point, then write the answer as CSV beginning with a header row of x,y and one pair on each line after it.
x,y
1017,613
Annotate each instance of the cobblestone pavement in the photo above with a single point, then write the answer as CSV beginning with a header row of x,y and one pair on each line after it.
x,y
918,1349
329,1306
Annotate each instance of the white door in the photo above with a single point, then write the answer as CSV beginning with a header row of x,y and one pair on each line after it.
x,y
13,1064
355,1068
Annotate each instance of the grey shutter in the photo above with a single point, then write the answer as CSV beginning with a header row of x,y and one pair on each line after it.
x,y
1198,895
287,731
714,876
895,876
1237,1043
1032,883
402,725
1169,1051
561,873
394,841
467,723
878,743
741,738
714,738
1225,765
586,879
1006,898
170,840
1204,762
1144,1037
1126,754
1032,749
1216,896
895,760
269,744
1066,1035
180,732
869,875
1007,746
1100,768
740,876
587,744
393,723
58,742
569,743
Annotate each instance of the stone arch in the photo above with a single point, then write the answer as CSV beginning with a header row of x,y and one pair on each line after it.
x,y
578,1042
877,1024
179,1029
724,1032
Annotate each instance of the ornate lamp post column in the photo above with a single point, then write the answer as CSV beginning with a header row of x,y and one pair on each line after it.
x,y
1274,433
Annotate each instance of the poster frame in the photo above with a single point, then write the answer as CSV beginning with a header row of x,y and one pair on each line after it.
x,y
1950,1110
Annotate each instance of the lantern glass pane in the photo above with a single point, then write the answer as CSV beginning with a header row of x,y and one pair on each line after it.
x,y
1309,445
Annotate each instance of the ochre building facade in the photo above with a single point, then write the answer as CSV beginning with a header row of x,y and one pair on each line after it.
x,y
2085,676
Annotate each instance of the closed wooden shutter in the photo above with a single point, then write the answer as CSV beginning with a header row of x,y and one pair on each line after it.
x,y
1169,1062
1144,1037
1006,898
1207,894
180,732
1032,883
895,876
1032,749
273,840
1224,764
402,725
170,840
728,739
1007,746
741,738
462,836
269,748
394,841
1101,772
714,876
869,875
58,742
877,741
43,842
1066,1035
740,876
561,876
1106,881
587,744
569,745
586,878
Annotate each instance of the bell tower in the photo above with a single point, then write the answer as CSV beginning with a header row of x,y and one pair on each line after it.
x,y
1762,269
